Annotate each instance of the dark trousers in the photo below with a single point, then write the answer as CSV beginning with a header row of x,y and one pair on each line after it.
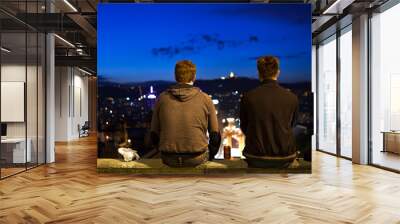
x,y
184,159
268,161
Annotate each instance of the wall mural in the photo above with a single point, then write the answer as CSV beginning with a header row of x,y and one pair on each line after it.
x,y
186,88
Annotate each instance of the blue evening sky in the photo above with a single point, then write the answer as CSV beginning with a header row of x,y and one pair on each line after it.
x,y
142,42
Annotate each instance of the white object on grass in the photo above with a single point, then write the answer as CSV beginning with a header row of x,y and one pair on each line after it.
x,y
129,154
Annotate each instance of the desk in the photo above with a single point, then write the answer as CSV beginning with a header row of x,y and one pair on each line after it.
x,y
16,147
391,141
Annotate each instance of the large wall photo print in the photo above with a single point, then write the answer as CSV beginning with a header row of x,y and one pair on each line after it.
x,y
204,88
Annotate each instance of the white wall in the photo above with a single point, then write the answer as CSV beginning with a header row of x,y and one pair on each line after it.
x,y
71,102
81,104
61,103
16,73
33,127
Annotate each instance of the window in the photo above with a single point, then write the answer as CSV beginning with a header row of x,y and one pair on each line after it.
x,y
327,95
346,93
385,89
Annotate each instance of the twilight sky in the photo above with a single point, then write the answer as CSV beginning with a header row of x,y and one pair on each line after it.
x,y
142,42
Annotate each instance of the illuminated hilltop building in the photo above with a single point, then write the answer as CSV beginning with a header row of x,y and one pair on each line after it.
x,y
230,76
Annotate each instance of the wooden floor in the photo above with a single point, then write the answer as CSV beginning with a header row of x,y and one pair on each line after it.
x,y
5,172
71,191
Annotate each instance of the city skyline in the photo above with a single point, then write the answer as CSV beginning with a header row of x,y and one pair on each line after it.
x,y
125,111
138,42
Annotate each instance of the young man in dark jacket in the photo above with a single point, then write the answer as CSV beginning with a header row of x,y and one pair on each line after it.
x,y
181,119
267,117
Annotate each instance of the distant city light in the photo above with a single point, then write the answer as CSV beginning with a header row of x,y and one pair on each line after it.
x,y
231,75
110,111
107,137
106,122
151,96
222,77
216,112
128,98
151,89
215,101
129,141
235,93
223,120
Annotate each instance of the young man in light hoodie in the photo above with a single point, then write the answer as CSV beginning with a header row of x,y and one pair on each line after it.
x,y
184,125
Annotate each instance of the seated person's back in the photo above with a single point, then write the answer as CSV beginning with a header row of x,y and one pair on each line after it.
x,y
267,115
182,117
183,112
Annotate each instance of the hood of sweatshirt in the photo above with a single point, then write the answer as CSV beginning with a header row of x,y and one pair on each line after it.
x,y
183,92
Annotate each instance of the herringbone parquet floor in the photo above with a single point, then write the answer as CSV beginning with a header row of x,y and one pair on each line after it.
x,y
70,191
